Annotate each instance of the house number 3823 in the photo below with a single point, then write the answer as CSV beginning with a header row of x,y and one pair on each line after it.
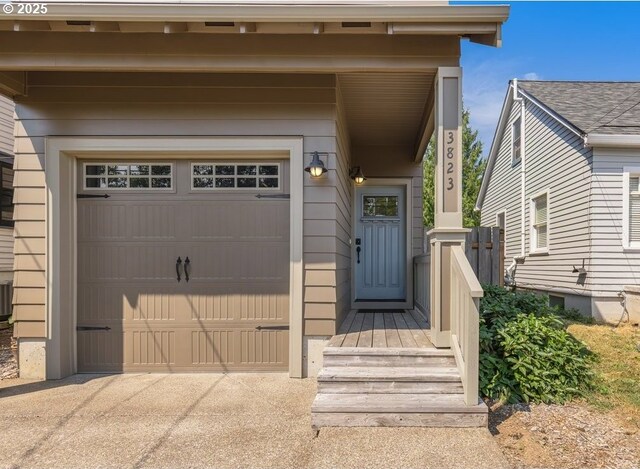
x,y
449,160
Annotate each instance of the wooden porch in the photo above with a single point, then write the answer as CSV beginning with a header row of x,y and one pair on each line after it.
x,y
368,328
382,369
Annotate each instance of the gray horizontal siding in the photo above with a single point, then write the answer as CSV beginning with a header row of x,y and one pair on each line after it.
x,y
557,161
612,266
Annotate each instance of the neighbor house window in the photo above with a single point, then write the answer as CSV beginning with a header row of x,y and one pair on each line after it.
x,y
128,176
6,194
540,223
632,208
235,176
516,141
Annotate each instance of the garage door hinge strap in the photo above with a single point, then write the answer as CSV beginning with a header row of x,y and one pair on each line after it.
x,y
93,328
93,196
273,196
272,328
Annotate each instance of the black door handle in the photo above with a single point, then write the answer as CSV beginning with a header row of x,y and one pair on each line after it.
x,y
358,253
186,268
178,264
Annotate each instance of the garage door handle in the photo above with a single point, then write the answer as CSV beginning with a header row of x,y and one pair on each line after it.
x,y
186,268
178,264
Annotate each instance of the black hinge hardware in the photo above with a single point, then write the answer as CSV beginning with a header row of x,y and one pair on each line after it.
x,y
273,196
272,328
93,328
93,196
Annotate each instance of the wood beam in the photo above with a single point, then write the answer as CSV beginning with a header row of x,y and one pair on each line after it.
x,y
69,51
13,83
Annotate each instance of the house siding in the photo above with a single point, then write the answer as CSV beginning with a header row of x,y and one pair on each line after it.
x,y
6,152
611,265
557,161
110,105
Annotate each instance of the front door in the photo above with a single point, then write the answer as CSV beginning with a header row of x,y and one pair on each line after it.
x,y
380,244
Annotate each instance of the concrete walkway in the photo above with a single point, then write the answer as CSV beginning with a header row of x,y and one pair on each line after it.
x,y
207,420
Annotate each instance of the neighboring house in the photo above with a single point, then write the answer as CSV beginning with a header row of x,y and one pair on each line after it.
x,y
6,191
164,219
562,179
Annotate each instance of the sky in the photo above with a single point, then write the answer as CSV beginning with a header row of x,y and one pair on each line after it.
x,y
593,41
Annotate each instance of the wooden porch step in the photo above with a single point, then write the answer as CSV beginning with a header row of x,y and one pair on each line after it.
x,y
422,410
358,356
387,373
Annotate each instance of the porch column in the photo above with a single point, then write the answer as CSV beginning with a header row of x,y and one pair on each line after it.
x,y
448,230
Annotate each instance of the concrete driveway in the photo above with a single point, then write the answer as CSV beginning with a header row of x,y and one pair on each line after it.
x,y
207,420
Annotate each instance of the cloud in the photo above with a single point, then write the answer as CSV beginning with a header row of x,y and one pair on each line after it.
x,y
531,76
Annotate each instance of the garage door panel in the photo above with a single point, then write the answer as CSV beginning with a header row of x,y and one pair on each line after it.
x,y
240,220
232,314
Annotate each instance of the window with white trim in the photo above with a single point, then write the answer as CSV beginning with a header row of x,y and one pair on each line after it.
x,y
540,223
516,141
633,230
128,176
235,176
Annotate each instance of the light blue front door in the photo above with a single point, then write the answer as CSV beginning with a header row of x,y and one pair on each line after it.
x,y
380,244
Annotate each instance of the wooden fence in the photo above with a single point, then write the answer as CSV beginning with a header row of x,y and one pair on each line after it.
x,y
484,250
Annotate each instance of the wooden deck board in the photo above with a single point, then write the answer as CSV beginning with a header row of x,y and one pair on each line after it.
x,y
379,338
382,329
366,332
351,339
336,340
406,337
421,338
391,331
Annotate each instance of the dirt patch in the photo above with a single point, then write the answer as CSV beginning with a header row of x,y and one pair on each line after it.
x,y
564,437
8,353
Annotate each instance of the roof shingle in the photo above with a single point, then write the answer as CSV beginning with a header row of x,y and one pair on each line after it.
x,y
592,107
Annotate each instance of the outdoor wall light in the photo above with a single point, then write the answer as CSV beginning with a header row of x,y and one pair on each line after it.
x,y
316,167
357,176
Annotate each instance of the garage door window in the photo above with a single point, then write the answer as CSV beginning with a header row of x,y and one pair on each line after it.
x,y
123,176
232,176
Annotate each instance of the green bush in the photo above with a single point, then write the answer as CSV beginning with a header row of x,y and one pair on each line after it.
x,y
525,352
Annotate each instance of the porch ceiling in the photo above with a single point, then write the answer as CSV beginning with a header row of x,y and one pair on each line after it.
x,y
385,108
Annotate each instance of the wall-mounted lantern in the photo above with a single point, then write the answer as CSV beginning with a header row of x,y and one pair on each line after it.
x,y
357,176
316,167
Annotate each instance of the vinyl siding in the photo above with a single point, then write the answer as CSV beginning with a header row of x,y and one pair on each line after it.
x,y
558,162
6,149
612,266
109,105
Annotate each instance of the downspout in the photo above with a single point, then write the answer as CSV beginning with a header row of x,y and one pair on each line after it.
x,y
523,172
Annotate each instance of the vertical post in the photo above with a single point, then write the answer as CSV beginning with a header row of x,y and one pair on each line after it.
x,y
448,230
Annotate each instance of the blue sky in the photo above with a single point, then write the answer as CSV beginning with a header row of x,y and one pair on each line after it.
x,y
551,41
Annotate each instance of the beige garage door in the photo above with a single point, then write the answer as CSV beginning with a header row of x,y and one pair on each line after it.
x,y
184,267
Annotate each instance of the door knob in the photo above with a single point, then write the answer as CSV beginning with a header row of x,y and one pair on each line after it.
x,y
178,264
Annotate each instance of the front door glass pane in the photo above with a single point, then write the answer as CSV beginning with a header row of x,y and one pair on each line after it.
x,y
380,206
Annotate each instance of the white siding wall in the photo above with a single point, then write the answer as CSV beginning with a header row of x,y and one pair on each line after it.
x,y
557,161
612,266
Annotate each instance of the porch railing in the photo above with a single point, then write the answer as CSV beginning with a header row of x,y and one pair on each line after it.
x,y
421,282
465,322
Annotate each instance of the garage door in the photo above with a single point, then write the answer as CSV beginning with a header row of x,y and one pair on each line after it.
x,y
184,266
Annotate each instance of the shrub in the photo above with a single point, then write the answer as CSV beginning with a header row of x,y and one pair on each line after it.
x,y
525,352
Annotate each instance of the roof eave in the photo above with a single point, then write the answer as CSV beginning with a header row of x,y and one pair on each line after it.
x,y
613,140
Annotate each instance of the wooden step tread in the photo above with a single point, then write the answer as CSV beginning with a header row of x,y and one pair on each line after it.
x,y
395,403
390,351
388,373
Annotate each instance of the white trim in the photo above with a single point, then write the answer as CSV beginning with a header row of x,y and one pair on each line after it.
x,y
408,303
627,171
61,180
618,140
498,213
532,248
517,120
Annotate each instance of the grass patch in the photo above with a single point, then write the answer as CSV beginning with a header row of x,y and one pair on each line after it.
x,y
617,367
